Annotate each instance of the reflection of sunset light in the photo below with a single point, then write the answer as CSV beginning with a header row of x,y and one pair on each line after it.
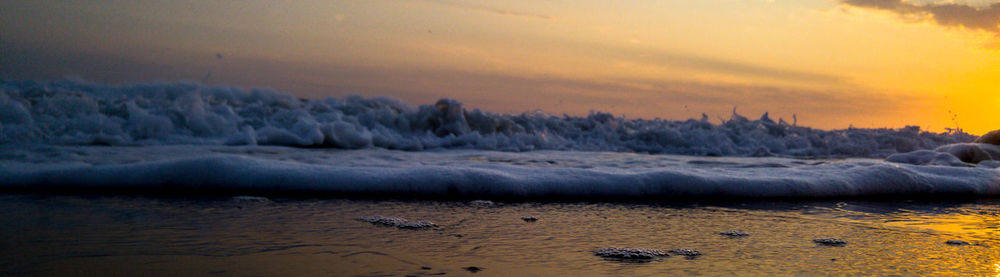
x,y
975,225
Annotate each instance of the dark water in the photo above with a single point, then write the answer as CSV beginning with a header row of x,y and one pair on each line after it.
x,y
133,236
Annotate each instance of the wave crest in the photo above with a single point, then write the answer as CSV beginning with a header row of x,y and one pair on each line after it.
x,y
81,113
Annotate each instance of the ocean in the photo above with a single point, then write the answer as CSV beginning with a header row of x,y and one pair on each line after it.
x,y
184,179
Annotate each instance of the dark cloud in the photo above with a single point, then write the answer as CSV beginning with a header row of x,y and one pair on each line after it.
x,y
985,18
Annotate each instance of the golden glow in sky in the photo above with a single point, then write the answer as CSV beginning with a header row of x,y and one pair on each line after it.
x,y
833,64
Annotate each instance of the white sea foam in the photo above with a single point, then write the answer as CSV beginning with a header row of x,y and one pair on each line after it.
x,y
397,222
476,174
193,138
958,154
630,253
80,113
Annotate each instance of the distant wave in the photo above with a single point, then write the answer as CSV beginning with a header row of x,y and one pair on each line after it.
x,y
167,113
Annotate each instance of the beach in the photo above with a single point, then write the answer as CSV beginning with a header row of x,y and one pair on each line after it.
x,y
52,235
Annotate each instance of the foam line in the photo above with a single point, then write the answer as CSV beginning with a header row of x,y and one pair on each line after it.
x,y
488,180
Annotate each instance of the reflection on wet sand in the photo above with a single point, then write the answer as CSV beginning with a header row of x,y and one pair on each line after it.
x,y
100,236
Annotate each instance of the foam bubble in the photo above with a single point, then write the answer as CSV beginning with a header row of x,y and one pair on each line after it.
x,y
397,222
630,253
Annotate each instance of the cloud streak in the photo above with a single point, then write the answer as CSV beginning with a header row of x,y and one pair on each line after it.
x,y
491,10
986,18
491,91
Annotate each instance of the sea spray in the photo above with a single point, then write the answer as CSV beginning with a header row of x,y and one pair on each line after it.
x,y
169,113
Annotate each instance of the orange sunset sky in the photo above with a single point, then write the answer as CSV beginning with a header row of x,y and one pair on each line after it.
x,y
832,63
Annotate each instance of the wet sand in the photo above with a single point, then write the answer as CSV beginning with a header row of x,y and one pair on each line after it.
x,y
155,236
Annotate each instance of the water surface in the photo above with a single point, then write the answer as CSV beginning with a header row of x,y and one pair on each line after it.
x,y
129,235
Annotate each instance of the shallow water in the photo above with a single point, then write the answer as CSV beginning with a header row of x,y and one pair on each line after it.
x,y
129,235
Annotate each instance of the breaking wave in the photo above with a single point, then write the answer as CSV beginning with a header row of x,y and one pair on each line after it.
x,y
474,174
195,139
168,113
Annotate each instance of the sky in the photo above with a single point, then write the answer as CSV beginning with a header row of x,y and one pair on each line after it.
x,y
828,64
